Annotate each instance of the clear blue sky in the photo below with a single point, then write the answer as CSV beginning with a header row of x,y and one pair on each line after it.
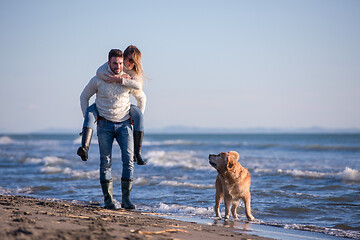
x,y
231,64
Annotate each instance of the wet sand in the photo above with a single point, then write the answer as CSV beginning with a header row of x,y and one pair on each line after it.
x,y
30,218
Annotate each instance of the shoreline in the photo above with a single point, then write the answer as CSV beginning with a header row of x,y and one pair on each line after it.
x,y
25,217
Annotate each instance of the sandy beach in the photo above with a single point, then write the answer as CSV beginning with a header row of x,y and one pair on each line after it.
x,y
30,218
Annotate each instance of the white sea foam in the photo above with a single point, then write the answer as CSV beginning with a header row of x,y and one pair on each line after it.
x,y
186,184
51,170
77,141
180,209
6,140
33,160
48,161
53,165
328,231
82,174
51,160
350,174
154,180
24,190
141,181
4,191
263,170
68,171
185,159
301,173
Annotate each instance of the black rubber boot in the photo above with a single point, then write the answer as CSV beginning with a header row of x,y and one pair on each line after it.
x,y
86,136
107,189
126,186
138,138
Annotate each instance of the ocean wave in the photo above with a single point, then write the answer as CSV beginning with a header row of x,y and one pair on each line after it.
x,y
4,191
77,141
4,140
347,174
329,231
51,170
68,171
180,209
184,159
24,190
82,174
47,161
302,173
157,180
263,170
350,175
142,181
186,184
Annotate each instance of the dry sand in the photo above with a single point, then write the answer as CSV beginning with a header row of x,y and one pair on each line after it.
x,y
30,218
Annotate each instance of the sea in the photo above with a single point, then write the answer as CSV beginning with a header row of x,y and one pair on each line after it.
x,y
307,183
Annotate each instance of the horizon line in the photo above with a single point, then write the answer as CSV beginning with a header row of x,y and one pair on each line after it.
x,y
194,129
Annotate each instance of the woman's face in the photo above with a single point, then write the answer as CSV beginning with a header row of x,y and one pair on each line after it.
x,y
129,63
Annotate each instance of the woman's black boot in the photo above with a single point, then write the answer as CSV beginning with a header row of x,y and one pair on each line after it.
x,y
138,138
85,143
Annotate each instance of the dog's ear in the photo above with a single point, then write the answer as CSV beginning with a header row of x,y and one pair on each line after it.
x,y
234,155
230,164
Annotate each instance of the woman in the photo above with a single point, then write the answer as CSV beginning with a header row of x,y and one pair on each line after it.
x,y
132,79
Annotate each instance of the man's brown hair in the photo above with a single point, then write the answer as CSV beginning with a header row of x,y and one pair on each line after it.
x,y
115,53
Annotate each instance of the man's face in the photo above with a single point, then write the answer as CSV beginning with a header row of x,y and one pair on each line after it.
x,y
116,64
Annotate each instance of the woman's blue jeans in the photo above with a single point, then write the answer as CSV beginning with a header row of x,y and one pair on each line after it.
x,y
135,113
107,131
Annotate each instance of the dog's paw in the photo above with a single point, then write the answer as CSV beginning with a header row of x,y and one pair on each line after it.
x,y
250,218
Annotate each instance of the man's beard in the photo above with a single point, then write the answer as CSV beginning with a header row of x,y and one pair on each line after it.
x,y
116,70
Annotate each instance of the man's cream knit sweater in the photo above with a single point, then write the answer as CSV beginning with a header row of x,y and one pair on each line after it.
x,y
112,100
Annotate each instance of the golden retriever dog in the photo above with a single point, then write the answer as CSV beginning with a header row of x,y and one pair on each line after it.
x,y
232,183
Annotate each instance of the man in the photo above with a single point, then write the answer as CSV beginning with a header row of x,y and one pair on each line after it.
x,y
113,104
